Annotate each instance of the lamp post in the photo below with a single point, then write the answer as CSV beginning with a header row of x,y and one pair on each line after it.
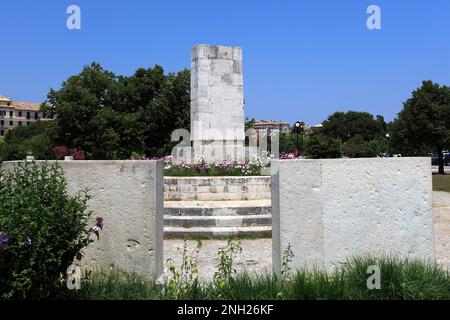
x,y
298,126
389,144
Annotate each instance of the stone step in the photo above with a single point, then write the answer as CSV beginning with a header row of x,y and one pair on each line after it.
x,y
218,232
218,221
217,188
217,208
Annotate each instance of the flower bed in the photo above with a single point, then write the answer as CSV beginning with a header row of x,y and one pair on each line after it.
x,y
222,168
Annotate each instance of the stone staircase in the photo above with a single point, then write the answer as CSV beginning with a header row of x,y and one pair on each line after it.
x,y
217,207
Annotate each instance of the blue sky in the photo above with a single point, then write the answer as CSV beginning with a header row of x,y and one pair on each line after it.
x,y
303,59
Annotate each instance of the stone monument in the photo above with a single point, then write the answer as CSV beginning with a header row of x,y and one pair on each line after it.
x,y
217,106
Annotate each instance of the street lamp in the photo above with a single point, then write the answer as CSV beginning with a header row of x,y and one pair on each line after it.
x,y
298,126
389,145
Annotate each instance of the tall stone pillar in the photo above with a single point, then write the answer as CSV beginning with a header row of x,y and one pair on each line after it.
x,y
217,103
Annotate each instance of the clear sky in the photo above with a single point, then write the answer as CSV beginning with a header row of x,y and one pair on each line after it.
x,y
303,59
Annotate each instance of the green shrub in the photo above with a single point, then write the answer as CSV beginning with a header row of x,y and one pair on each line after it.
x,y
43,229
225,269
36,138
183,281
320,147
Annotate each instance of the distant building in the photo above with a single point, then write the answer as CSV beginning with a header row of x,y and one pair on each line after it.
x,y
266,126
15,114
315,128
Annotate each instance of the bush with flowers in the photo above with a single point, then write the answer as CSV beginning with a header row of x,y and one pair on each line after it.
x,y
222,168
42,229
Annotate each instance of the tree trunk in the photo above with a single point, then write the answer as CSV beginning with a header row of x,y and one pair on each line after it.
x,y
440,160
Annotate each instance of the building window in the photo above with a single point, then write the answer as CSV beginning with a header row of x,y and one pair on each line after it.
x,y
36,116
2,132
28,115
2,123
8,104
28,123
11,123
19,123
20,113
11,114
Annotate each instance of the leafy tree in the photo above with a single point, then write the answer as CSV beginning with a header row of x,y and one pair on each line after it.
x,y
345,125
288,142
112,117
356,147
319,146
379,145
35,138
423,124
77,104
249,123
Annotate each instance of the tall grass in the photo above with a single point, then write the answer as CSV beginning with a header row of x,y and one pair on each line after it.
x,y
400,279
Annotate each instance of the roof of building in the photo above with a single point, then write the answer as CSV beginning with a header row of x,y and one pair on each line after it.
x,y
28,106
3,98
270,122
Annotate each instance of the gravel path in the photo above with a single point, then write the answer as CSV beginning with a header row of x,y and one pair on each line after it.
x,y
256,255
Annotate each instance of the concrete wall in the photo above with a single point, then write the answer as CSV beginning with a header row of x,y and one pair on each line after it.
x,y
216,188
329,210
129,196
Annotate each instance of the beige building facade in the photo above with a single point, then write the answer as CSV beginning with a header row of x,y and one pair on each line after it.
x,y
14,114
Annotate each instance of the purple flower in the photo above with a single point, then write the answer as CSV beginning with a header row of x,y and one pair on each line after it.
x,y
99,225
202,166
4,237
293,155
224,165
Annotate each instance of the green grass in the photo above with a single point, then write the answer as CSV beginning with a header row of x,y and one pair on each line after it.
x,y
441,182
400,279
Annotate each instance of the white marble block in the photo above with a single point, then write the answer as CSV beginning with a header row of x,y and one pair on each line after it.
x,y
334,209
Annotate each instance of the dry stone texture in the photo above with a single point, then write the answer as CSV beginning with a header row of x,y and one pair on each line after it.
x,y
328,210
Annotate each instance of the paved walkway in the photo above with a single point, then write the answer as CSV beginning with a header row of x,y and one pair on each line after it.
x,y
256,254
441,209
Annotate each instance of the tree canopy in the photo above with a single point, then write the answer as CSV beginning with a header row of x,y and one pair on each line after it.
x,y
112,117
423,125
345,125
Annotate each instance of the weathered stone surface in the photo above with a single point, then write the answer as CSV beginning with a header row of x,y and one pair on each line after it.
x,y
217,188
329,210
129,196
217,105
